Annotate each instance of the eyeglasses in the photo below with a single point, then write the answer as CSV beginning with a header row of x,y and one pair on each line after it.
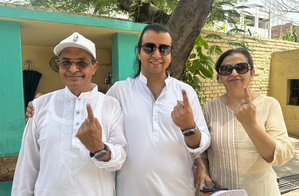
x,y
149,48
80,63
241,68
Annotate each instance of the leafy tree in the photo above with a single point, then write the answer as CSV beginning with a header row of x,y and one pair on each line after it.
x,y
185,19
185,22
200,63
289,36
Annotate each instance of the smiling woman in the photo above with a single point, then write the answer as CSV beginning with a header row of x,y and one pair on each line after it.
x,y
248,133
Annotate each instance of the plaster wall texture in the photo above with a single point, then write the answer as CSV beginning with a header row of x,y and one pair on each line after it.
x,y
275,59
284,67
261,54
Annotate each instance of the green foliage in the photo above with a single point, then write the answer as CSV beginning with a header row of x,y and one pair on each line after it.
x,y
289,36
200,64
167,6
213,27
96,7
224,10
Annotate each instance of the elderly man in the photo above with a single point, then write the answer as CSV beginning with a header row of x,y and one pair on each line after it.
x,y
75,141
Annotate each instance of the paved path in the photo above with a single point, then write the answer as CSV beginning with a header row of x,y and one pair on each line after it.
x,y
291,167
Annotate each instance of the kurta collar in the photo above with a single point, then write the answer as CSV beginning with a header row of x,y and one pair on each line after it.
x,y
83,95
143,79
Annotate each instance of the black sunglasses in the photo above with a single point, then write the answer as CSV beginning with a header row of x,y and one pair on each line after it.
x,y
241,68
149,48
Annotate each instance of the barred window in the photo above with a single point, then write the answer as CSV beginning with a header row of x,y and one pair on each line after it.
x,y
294,92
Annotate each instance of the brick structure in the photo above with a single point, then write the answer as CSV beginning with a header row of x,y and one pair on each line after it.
x,y
276,31
261,54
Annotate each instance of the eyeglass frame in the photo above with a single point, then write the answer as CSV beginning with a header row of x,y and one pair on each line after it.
x,y
249,67
92,61
155,47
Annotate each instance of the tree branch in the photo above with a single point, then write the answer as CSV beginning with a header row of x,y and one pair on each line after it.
x,y
185,24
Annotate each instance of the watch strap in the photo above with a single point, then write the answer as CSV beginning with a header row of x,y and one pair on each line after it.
x,y
189,132
100,153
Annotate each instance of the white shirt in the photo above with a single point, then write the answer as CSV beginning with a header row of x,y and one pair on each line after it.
x,y
53,161
159,161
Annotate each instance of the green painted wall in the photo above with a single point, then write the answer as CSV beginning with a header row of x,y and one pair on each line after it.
x,y
123,55
12,116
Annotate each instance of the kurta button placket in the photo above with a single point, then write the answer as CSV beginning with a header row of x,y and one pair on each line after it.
x,y
77,114
155,123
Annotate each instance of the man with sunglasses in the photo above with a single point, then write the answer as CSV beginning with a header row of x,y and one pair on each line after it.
x,y
164,123
75,141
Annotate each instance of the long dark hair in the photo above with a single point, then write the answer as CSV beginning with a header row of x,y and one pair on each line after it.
x,y
158,28
230,52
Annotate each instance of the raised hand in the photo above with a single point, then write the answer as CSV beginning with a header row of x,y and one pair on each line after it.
x,y
182,114
90,132
246,111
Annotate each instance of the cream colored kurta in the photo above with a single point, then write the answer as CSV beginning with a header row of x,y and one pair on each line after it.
x,y
234,161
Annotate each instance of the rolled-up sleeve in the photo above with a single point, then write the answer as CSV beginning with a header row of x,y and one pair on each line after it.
x,y
116,140
201,124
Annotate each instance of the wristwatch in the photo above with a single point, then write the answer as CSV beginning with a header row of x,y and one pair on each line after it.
x,y
100,153
189,132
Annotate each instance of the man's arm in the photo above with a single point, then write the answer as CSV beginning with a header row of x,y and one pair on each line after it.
x,y
203,173
28,162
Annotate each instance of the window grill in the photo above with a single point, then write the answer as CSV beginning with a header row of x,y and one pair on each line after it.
x,y
294,92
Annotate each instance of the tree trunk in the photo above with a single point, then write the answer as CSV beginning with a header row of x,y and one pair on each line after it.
x,y
185,23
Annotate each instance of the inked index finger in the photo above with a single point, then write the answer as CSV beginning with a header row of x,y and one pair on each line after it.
x,y
90,115
247,95
185,98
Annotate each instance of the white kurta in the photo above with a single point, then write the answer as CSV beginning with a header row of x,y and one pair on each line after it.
x,y
53,161
159,161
